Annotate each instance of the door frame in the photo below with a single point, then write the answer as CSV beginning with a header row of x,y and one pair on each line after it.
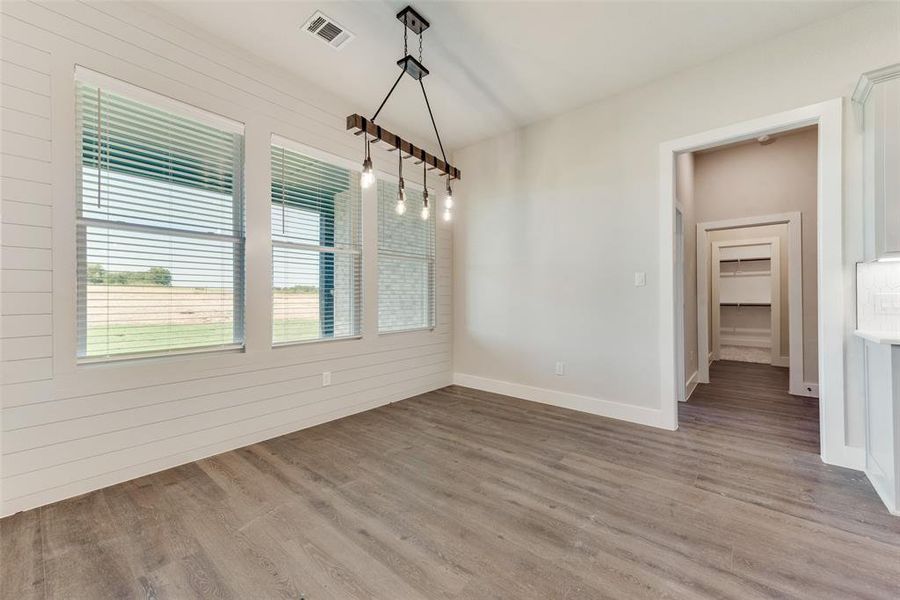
x,y
680,376
793,221
828,116
774,294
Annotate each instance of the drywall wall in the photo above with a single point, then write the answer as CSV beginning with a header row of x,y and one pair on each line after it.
x,y
68,429
748,180
556,218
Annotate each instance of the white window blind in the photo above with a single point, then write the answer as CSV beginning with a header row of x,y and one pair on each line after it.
x,y
405,262
316,249
159,230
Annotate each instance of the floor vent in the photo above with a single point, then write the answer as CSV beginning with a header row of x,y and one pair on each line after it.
x,y
328,30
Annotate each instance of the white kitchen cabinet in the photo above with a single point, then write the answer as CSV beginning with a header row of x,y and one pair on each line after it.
x,y
883,417
877,105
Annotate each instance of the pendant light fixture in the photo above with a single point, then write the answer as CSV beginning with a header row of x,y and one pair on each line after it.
x,y
367,178
412,21
448,202
425,210
401,190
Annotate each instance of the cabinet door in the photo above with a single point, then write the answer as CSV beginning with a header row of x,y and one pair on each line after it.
x,y
886,109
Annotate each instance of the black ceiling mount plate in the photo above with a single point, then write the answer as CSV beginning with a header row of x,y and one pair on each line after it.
x,y
413,67
416,22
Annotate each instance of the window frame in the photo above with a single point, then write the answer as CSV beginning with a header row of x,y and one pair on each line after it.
x,y
237,238
431,261
314,153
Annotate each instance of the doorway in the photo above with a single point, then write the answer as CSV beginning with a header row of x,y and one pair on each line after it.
x,y
827,116
793,297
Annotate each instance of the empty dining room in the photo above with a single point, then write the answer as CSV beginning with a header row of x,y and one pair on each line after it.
x,y
454,300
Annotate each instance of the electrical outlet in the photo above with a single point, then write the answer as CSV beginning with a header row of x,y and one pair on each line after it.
x,y
560,368
326,378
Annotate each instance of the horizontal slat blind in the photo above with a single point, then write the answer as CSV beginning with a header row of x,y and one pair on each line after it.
x,y
316,249
160,230
406,252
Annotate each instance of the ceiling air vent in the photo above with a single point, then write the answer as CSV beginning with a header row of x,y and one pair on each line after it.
x,y
328,30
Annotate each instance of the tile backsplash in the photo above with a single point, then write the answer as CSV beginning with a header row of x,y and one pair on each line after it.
x,y
878,297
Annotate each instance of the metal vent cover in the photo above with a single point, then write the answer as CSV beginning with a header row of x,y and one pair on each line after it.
x,y
328,30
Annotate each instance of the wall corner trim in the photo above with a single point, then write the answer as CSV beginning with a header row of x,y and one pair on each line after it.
x,y
652,417
850,457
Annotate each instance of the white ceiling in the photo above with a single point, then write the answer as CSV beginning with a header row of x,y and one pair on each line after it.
x,y
497,65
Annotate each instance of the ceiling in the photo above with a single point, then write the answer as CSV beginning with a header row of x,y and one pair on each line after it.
x,y
496,65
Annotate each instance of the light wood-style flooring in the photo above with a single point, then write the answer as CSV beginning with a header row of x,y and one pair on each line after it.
x,y
464,494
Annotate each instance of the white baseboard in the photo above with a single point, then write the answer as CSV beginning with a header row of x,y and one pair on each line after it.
x,y
690,386
744,340
605,408
850,457
810,390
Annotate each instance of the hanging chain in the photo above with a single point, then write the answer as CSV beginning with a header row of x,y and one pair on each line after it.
x,y
405,51
420,46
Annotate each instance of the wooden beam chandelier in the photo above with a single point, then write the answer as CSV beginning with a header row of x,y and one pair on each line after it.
x,y
412,21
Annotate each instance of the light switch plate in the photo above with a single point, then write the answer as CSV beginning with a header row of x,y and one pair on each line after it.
x,y
640,279
326,378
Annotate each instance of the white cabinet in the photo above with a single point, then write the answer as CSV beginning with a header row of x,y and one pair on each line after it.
x,y
877,104
883,418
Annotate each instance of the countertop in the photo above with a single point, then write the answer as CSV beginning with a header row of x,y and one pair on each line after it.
x,y
880,337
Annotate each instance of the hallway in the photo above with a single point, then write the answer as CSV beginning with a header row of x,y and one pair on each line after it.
x,y
750,402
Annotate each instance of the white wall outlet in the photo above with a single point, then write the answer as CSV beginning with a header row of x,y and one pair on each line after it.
x,y
326,378
640,279
560,368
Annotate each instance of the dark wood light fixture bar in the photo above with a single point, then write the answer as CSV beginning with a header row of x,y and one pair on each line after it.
x,y
378,133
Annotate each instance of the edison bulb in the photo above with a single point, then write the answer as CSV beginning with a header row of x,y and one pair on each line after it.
x,y
425,213
368,174
400,207
447,215
448,201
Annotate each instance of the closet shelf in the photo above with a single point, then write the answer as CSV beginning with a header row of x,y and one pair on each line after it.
x,y
746,274
745,304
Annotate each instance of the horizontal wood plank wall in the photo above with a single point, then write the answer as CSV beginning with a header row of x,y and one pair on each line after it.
x,y
68,429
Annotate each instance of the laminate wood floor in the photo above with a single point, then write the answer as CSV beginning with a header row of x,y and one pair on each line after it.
x,y
464,494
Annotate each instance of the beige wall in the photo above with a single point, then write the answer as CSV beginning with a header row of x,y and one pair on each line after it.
x,y
555,218
751,180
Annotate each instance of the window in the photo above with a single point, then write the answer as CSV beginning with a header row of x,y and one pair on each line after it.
x,y
316,250
159,226
405,262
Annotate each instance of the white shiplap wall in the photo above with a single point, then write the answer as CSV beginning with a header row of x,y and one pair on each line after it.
x,y
68,429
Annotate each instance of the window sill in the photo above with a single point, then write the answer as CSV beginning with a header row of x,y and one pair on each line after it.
x,y
399,331
316,341
156,356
